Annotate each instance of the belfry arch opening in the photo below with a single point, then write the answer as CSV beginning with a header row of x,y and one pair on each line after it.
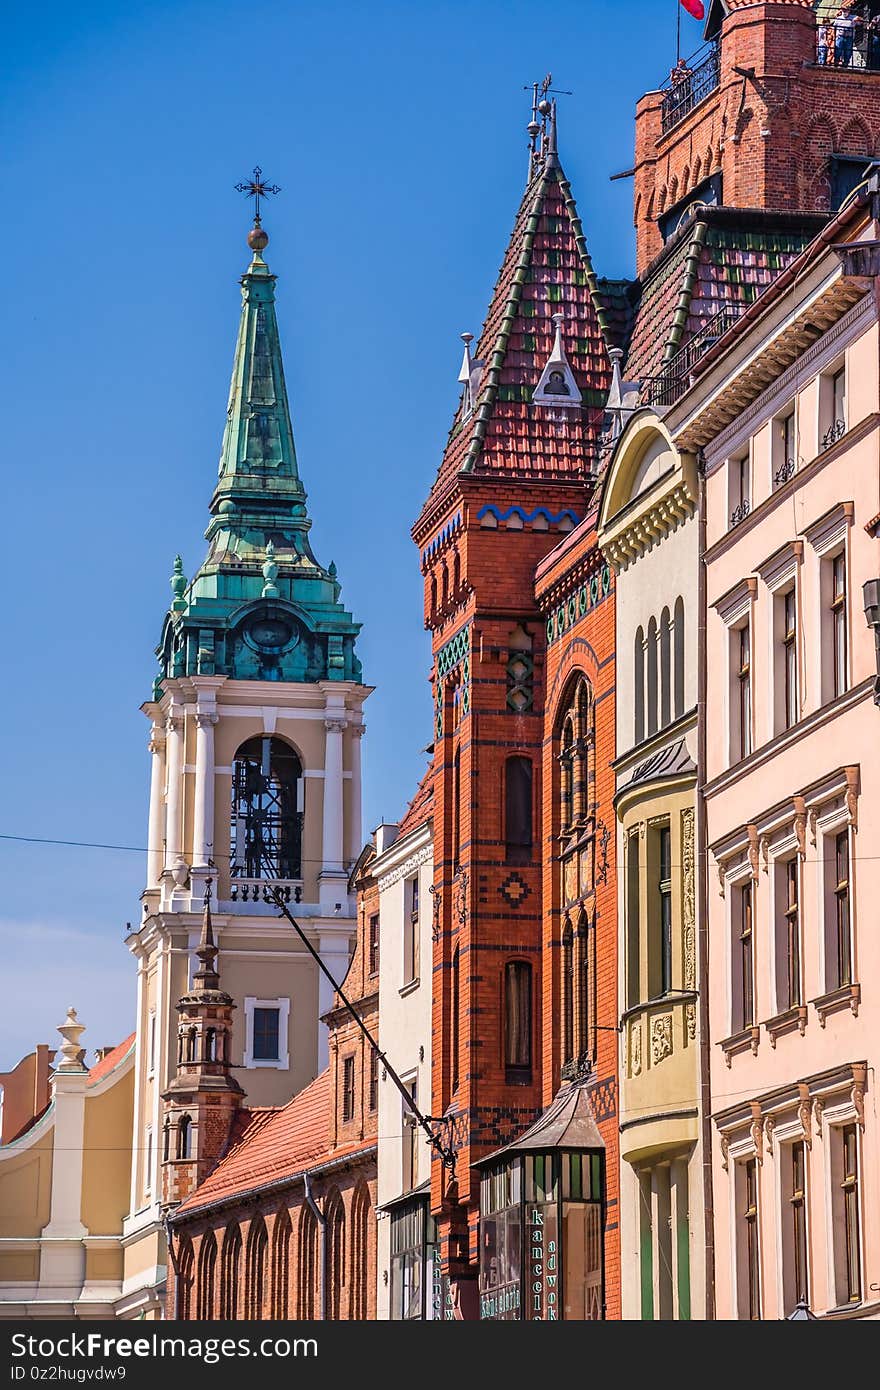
x,y
267,801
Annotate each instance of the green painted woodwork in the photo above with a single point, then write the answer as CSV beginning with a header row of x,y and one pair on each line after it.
x,y
683,1261
260,607
646,1248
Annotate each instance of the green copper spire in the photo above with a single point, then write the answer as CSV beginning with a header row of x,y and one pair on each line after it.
x,y
260,607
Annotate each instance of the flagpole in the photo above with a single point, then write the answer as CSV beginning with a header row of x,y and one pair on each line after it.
x,y
677,31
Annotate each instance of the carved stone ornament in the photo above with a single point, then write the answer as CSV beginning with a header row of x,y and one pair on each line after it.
x,y
765,852
661,1038
756,1130
461,883
769,1127
688,898
857,1094
725,1152
818,1110
335,726
437,901
721,879
800,825
805,1113
813,821
635,1048
690,1013
206,719
753,851
852,796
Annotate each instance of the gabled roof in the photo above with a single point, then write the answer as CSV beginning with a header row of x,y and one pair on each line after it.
x,y
724,258
546,270
420,808
276,1144
111,1059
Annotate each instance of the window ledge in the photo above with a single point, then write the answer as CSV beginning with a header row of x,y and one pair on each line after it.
x,y
847,997
740,1042
409,988
787,1022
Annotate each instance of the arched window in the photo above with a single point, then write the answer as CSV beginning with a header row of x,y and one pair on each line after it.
x,y
211,1045
584,985
518,810
358,1307
281,1266
454,1020
651,694
678,663
665,669
456,808
205,1277
444,585
230,1267
191,1044
166,1141
255,1269
639,685
184,1137
308,1263
334,1214
266,831
456,573
566,763
567,992
517,1022
433,595
185,1263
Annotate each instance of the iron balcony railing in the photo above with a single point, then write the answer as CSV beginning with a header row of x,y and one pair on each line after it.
x,y
673,381
848,40
689,82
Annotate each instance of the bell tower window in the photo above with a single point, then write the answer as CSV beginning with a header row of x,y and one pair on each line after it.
x,y
266,832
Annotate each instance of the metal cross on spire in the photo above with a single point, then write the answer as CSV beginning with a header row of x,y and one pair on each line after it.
x,y
542,126
257,188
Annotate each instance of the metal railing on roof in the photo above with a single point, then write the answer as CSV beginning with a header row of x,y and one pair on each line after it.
x,y
688,83
849,40
673,381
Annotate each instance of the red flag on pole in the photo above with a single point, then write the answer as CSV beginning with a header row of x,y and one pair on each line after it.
x,y
695,7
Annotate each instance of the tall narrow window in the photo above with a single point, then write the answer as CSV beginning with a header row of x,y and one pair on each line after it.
x,y
838,624
752,1241
148,1159
266,1034
230,1264
205,1277
842,913
665,891
518,810
838,399
633,921
746,958
517,1022
409,1169
456,809
798,1207
740,491
850,1194
151,1064
411,930
678,658
784,449
790,658
184,1137
455,1024
566,763
651,702
374,944
266,830
374,1081
792,936
665,669
743,640
348,1088
567,993
639,685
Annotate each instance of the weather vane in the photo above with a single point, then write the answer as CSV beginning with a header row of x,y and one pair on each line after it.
x,y
257,188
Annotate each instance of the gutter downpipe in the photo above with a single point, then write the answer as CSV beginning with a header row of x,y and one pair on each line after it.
x,y
322,1260
703,906
172,1257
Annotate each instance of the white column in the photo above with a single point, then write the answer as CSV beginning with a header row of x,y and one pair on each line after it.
x,y
203,818
62,1255
355,825
155,851
332,847
174,772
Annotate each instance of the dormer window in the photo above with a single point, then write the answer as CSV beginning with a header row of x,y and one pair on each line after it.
x,y
557,385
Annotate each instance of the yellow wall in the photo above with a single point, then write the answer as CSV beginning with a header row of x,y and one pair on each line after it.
x,y
107,1157
25,1188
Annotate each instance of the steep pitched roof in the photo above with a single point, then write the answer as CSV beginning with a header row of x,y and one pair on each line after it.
x,y
276,1144
725,258
546,270
421,806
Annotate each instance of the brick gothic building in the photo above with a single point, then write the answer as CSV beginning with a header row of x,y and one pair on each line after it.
x,y
283,1226
516,786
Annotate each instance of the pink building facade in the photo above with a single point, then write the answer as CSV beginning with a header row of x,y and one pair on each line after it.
x,y
783,418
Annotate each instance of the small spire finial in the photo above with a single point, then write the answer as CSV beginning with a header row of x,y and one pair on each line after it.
x,y
270,572
70,1031
256,187
178,586
542,127
207,976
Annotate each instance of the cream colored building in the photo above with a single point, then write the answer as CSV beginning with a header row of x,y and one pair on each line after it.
x,y
648,531
64,1186
404,870
786,410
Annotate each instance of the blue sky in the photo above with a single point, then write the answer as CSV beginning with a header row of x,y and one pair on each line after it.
x,y
397,133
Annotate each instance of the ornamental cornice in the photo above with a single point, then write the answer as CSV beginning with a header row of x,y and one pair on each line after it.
x,y
404,870
654,524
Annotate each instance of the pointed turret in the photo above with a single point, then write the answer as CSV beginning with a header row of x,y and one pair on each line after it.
x,y
261,606
546,271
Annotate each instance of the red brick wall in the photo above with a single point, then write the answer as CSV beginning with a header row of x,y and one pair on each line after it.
x,y
770,136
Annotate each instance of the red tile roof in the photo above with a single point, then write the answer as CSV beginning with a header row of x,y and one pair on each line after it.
x,y
421,806
111,1060
276,1144
546,270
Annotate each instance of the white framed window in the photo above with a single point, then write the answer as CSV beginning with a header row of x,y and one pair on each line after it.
x,y
837,863
409,1158
151,1043
833,413
789,935
411,930
829,537
736,611
794,1223
148,1160
784,446
739,487
846,1211
747,1235
266,1032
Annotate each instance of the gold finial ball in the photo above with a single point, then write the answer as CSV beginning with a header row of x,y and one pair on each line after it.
x,y
257,239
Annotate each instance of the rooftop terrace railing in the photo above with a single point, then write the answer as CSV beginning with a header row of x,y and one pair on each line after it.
x,y
689,82
849,40
673,381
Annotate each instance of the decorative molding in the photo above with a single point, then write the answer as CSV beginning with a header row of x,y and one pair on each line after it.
x,y
335,726
782,565
688,908
406,869
800,825
725,1152
830,528
753,850
527,518
579,602
635,1048
443,536
852,796
206,719
436,906
661,1038
662,518
734,605
756,1129
805,1113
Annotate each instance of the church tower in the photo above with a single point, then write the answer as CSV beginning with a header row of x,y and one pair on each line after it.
x,y
255,729
517,474
202,1101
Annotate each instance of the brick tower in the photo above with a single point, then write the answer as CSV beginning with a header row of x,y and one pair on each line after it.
x,y
201,1102
770,117
517,472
